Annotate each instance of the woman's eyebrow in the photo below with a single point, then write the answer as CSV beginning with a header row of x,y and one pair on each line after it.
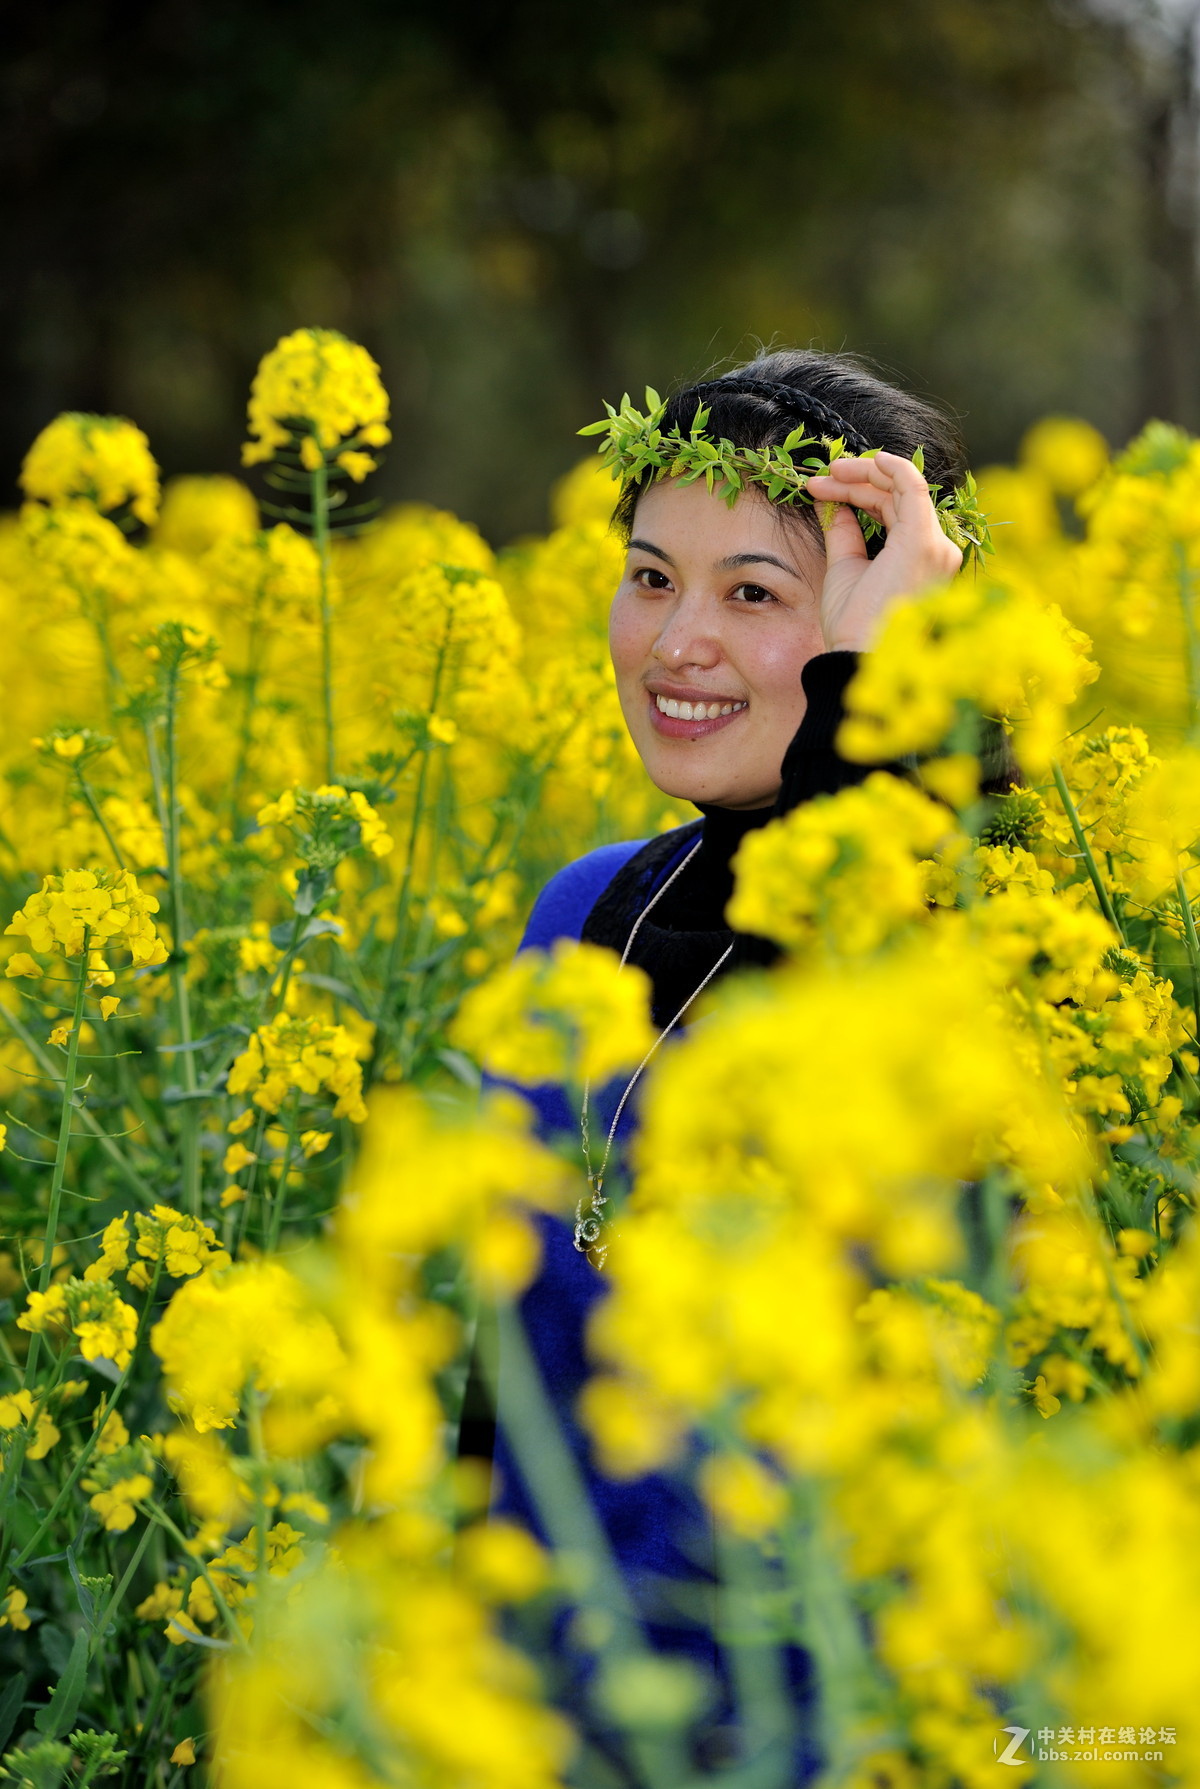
x,y
646,546
738,559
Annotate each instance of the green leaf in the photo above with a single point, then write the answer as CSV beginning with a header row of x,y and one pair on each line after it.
x,y
59,1713
11,1703
340,989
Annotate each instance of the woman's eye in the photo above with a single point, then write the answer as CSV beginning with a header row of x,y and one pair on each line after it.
x,y
753,593
650,578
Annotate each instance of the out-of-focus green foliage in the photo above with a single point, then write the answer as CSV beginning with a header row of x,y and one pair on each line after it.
x,y
521,208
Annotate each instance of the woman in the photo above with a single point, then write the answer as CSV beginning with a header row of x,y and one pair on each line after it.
x,y
734,633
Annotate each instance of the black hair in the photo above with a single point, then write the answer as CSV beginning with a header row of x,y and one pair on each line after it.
x,y
759,404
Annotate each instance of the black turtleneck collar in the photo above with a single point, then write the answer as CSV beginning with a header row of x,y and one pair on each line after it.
x,y
697,901
685,933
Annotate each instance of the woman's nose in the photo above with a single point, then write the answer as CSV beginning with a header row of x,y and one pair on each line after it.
x,y
688,638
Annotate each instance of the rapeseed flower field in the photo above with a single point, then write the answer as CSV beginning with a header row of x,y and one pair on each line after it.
x,y
906,1273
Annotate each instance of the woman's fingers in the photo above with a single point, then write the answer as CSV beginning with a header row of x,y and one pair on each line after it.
x,y
843,535
867,481
887,487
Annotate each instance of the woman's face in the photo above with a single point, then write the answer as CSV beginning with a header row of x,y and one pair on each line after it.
x,y
714,619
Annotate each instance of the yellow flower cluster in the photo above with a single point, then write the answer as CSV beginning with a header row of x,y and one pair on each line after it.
x,y
183,1244
250,1325
21,1407
106,1327
328,821
300,1054
316,383
972,642
104,460
91,909
201,511
570,1014
845,870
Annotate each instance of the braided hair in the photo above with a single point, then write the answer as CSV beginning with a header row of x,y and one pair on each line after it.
x,y
759,404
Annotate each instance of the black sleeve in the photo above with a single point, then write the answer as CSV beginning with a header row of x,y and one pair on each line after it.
x,y
811,765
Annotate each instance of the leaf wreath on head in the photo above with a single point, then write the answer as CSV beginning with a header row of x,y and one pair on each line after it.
x,y
635,443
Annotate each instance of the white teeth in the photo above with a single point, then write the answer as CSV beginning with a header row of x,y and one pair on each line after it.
x,y
696,711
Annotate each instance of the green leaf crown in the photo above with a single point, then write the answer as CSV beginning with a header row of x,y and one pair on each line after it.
x,y
635,443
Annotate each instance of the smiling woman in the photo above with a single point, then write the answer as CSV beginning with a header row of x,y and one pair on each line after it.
x,y
736,627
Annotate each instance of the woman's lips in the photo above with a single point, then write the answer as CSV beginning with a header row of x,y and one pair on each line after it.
x,y
679,727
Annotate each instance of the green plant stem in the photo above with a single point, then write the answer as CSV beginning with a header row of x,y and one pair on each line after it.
x,y
1187,606
189,1117
118,1596
319,486
155,1511
756,1661
565,1511
399,939
277,1205
425,929
245,734
92,1125
60,1154
831,1631
101,1417
286,965
1192,942
1093,869
85,790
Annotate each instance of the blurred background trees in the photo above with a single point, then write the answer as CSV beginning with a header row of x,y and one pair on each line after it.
x,y
524,207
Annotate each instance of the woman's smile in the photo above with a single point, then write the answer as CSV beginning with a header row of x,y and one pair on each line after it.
x,y
682,712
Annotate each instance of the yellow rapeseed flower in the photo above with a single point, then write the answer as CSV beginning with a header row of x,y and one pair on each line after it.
x,y
328,389
102,459
573,1013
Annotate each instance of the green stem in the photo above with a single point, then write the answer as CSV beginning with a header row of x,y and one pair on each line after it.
x,y
60,1153
100,1418
1093,869
64,1127
286,964
565,1511
1192,942
399,940
276,1224
425,929
831,1632
253,672
320,514
254,1431
755,1658
1193,639
92,1125
189,1117
118,1596
85,789
158,1514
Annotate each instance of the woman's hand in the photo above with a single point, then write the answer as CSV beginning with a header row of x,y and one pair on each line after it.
x,y
858,591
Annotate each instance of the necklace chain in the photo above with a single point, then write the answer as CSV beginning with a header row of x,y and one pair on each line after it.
x,y
589,1213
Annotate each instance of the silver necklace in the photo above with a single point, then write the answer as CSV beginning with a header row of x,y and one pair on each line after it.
x,y
589,1213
